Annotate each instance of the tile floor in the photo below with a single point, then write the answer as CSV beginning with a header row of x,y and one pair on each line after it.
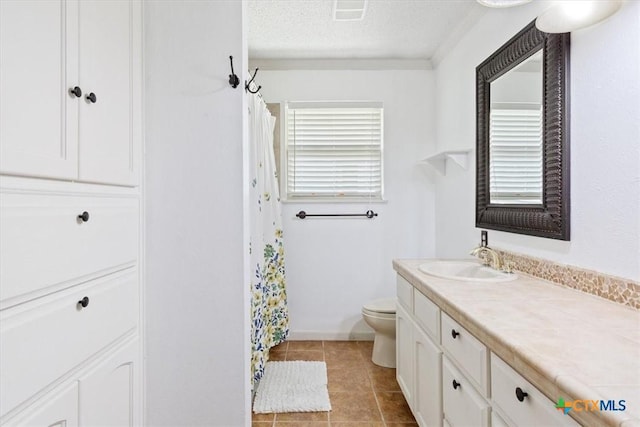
x,y
362,394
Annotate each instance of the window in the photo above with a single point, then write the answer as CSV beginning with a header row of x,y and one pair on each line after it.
x,y
333,150
515,162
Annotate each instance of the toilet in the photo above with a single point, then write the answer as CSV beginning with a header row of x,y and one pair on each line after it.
x,y
380,314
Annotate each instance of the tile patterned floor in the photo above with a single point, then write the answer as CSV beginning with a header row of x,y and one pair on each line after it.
x,y
362,394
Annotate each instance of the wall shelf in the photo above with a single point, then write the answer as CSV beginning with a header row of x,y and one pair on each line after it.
x,y
439,160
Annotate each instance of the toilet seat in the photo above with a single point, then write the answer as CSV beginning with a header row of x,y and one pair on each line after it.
x,y
380,306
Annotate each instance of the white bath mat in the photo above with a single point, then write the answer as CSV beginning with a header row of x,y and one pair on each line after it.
x,y
297,386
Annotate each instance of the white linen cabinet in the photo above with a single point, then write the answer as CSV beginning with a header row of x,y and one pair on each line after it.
x,y
69,89
70,220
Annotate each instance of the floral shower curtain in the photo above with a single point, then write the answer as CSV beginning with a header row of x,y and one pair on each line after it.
x,y
269,312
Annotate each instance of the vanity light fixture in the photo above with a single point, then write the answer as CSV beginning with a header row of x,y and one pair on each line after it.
x,y
349,10
570,15
502,3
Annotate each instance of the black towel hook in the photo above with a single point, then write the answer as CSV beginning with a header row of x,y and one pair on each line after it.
x,y
247,84
234,81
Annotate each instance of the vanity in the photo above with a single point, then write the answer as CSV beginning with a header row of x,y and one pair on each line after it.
x,y
508,353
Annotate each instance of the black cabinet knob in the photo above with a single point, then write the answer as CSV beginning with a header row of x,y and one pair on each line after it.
x,y
92,98
76,91
520,395
454,333
84,302
456,384
84,216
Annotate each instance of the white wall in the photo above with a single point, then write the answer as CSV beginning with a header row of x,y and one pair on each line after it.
x,y
336,265
605,148
197,340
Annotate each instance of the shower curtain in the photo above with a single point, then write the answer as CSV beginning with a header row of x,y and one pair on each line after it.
x,y
269,312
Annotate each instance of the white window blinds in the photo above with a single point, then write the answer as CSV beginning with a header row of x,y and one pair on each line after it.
x,y
515,159
334,150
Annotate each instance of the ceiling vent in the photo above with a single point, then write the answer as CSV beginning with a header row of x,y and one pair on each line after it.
x,y
349,10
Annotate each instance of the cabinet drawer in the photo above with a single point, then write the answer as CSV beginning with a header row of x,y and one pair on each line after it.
x,y
463,406
43,242
42,340
427,314
464,348
405,293
535,409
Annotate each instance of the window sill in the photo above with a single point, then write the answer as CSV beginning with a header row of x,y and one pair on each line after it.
x,y
335,201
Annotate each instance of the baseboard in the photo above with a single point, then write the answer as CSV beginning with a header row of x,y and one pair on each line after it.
x,y
330,336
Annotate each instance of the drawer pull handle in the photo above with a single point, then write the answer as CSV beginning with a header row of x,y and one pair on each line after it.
x,y
521,394
92,98
84,216
84,302
454,333
76,91
456,384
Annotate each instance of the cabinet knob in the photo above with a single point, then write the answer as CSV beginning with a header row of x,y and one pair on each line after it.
x,y
76,91
520,395
84,216
92,98
84,302
456,384
454,333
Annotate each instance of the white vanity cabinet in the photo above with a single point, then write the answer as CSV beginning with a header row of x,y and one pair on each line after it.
x,y
418,355
70,89
451,378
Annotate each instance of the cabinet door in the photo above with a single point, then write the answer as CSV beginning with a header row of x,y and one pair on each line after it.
x,y
108,392
58,409
38,114
427,399
404,353
462,405
110,52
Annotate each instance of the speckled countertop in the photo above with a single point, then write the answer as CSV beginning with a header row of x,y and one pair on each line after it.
x,y
565,342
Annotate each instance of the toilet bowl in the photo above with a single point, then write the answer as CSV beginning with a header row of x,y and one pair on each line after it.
x,y
380,314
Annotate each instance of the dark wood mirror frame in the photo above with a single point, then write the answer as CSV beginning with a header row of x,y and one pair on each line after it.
x,y
551,218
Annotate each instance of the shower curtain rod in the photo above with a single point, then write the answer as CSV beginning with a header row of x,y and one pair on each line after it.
x,y
369,214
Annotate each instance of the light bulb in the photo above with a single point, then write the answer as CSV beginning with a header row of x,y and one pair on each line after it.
x,y
570,15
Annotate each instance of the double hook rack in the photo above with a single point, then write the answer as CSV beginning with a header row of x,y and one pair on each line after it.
x,y
234,81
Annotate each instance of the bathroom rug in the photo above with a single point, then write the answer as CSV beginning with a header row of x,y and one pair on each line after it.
x,y
296,386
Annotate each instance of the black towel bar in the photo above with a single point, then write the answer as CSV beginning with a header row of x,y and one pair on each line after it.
x,y
369,214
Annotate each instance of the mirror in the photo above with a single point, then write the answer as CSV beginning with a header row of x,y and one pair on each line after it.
x,y
515,135
522,140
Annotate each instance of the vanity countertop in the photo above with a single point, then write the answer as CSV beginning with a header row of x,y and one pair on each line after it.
x,y
567,343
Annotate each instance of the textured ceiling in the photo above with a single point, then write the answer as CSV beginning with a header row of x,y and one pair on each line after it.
x,y
401,29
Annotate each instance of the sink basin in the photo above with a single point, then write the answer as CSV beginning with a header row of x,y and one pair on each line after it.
x,y
467,271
